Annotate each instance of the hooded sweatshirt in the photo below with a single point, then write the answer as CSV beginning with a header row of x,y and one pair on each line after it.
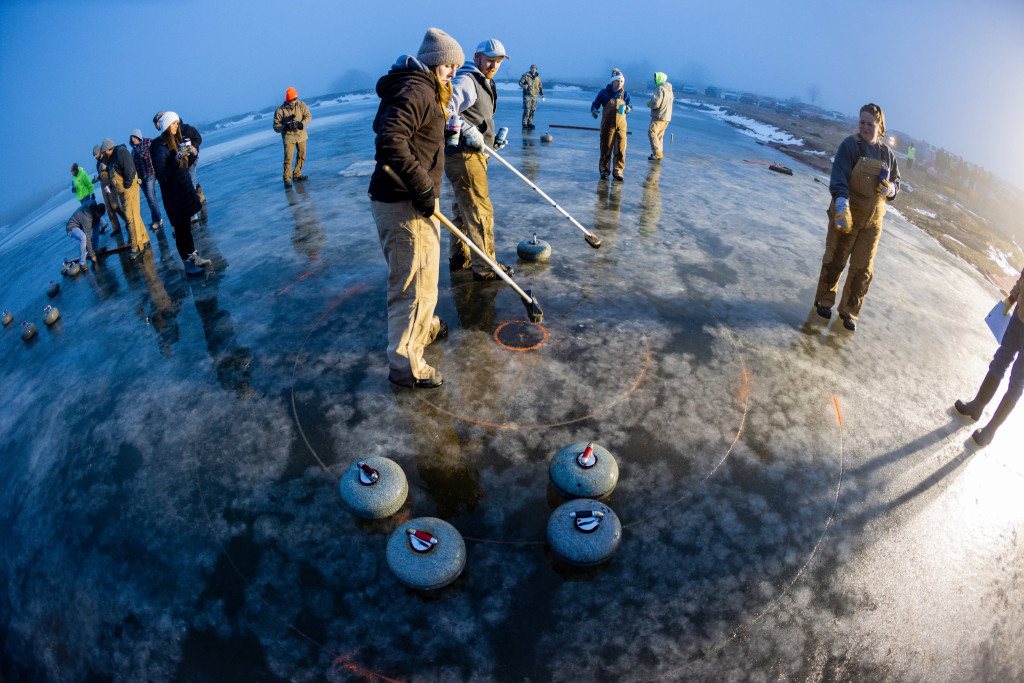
x,y
661,102
410,133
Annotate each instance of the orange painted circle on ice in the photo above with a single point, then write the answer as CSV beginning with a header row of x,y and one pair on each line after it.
x,y
521,335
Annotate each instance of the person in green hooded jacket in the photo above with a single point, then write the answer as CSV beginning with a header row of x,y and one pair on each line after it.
x,y
82,186
661,113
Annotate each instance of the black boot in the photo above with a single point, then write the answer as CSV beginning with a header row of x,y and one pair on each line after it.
x,y
983,436
985,393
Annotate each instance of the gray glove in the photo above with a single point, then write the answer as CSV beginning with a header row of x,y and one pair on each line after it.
x,y
472,137
593,112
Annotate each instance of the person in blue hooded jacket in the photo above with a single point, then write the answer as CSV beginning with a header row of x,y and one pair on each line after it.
x,y
614,100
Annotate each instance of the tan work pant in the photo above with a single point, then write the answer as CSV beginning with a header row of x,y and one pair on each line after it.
x,y
858,247
613,148
472,212
299,149
412,249
656,132
133,211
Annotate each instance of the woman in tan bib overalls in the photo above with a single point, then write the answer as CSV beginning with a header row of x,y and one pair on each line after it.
x,y
864,177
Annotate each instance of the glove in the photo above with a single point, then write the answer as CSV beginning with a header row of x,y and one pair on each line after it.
x,y
542,99
499,145
843,218
424,202
472,137
299,125
106,188
593,112
885,189
1007,306
628,109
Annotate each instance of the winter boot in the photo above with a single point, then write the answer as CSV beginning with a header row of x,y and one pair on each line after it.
x,y
191,269
983,436
974,409
199,260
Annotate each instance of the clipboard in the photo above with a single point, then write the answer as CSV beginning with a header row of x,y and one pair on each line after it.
x,y
997,322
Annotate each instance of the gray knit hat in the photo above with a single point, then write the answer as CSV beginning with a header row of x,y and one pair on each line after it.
x,y
107,144
95,150
440,48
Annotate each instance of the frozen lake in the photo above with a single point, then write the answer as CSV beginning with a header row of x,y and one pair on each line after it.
x,y
798,503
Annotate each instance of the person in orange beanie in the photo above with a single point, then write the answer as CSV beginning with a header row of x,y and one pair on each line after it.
x,y
290,121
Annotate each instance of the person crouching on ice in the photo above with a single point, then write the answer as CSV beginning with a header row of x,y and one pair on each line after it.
x,y
409,125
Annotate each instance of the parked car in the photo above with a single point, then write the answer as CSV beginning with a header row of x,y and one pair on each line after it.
x,y
692,89
731,95
748,98
712,91
811,113
767,103
784,108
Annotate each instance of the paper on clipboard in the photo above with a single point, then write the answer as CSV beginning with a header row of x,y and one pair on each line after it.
x,y
997,322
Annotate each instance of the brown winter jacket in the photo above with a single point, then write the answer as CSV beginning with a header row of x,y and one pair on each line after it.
x,y
1016,292
410,133
300,111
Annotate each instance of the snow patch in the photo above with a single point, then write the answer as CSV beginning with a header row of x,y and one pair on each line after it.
x,y
747,126
359,168
924,213
1002,259
953,239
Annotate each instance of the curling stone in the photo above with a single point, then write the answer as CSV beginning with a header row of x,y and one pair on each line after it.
x,y
584,532
534,250
74,269
374,488
51,315
52,289
426,553
64,268
8,317
583,470
546,137
28,330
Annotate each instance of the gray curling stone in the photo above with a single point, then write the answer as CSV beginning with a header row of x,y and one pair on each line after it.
x,y
546,137
74,269
52,289
64,268
534,249
583,470
51,315
8,317
426,553
584,532
28,330
374,488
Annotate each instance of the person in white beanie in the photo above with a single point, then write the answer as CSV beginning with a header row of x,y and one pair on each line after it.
x,y
172,158
614,99
409,125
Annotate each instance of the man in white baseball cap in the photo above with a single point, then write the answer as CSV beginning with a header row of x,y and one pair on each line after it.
x,y
476,99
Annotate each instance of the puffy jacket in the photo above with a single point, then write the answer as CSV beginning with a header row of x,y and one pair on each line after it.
x,y
82,184
472,87
661,102
410,132
300,111
180,199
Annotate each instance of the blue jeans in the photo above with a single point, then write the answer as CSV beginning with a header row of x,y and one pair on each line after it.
x,y
1011,345
192,171
149,189
84,246
87,201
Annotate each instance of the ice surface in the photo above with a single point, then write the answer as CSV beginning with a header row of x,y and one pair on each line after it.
x,y
172,448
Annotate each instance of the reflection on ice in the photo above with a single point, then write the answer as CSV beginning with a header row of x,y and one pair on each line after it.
x,y
798,502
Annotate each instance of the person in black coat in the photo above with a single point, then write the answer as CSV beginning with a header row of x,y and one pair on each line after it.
x,y
171,161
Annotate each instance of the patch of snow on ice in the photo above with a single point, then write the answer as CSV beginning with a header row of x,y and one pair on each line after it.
x,y
359,168
1002,259
747,126
924,213
953,239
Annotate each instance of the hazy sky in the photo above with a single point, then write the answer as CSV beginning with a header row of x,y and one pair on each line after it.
x,y
74,73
